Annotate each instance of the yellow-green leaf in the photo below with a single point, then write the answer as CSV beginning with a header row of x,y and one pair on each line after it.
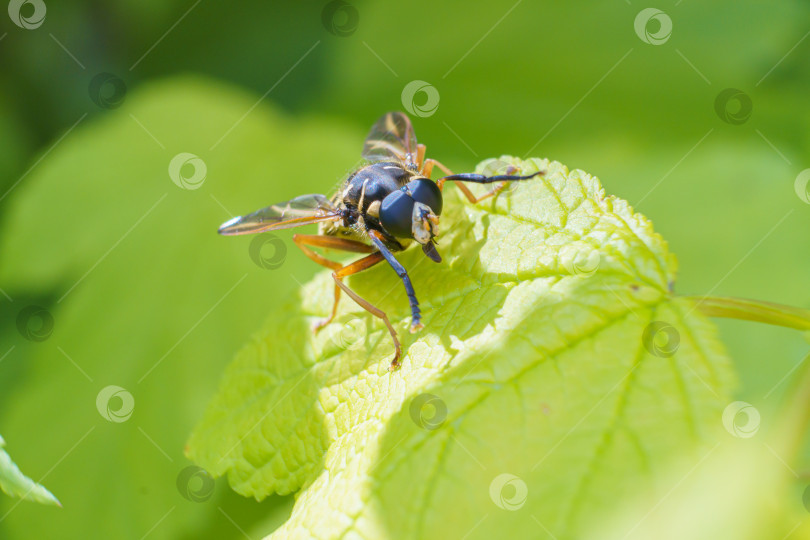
x,y
15,483
556,375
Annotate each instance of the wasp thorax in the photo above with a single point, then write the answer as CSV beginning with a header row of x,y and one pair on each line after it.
x,y
373,183
413,211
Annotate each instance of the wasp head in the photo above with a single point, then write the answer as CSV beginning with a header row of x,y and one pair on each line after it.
x,y
413,212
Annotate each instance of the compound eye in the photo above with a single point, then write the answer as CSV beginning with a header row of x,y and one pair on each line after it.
x,y
426,192
396,214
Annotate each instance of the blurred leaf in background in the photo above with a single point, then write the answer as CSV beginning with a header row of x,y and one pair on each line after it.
x,y
146,298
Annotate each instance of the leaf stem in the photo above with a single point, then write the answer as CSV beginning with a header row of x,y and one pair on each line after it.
x,y
753,310
796,416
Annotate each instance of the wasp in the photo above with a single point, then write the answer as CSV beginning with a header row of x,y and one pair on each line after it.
x,y
381,208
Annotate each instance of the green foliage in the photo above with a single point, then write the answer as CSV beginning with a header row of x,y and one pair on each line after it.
x,y
159,282
146,302
534,350
742,488
540,75
16,484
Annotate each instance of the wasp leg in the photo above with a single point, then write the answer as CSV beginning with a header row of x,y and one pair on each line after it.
x,y
317,240
504,179
416,316
429,163
476,178
428,169
358,266
420,156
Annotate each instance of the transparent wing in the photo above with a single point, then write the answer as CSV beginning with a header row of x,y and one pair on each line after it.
x,y
391,137
302,210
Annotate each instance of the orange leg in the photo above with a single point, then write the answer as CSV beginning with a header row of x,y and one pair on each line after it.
x,y
358,266
491,193
429,163
427,167
420,157
341,271
333,242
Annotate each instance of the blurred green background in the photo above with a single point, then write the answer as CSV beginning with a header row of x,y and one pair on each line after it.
x,y
275,99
